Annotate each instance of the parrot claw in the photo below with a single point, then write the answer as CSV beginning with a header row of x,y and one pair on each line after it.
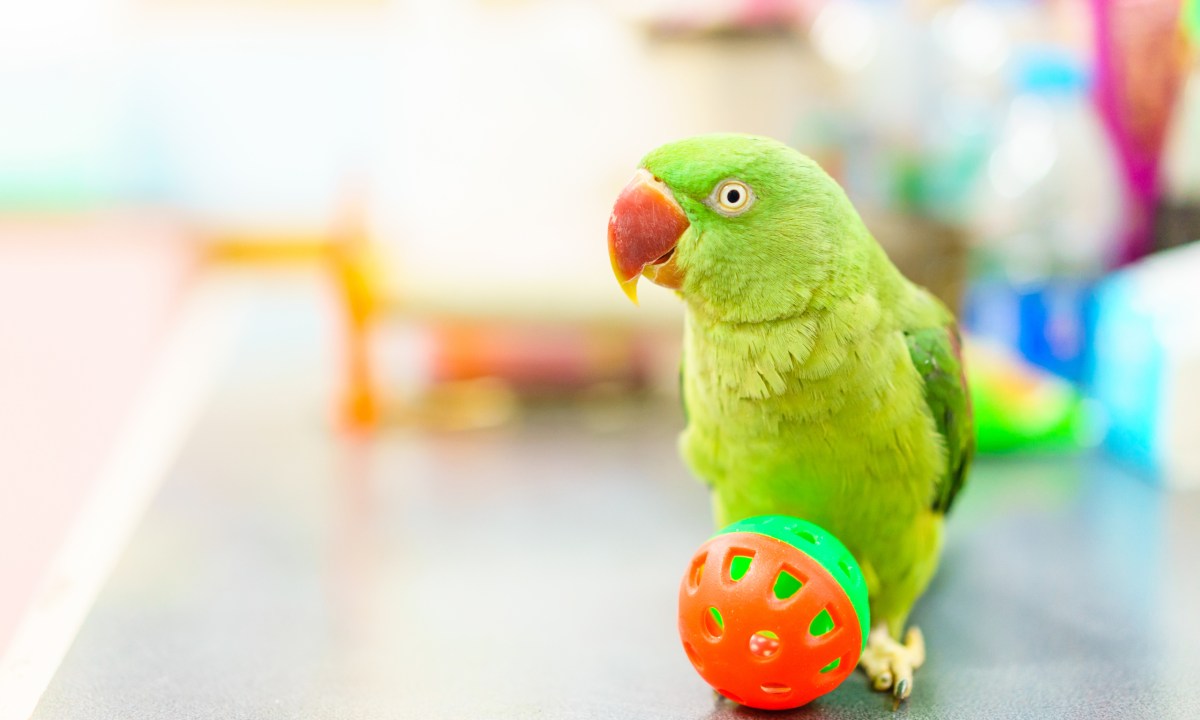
x,y
890,664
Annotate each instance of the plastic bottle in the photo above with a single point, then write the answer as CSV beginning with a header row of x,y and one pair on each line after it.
x,y
1047,216
1052,203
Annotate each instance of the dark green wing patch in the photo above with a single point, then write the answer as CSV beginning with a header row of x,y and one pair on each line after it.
x,y
937,355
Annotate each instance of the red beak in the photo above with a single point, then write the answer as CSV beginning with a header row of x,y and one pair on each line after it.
x,y
645,225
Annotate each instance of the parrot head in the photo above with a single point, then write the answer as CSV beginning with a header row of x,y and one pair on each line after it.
x,y
742,225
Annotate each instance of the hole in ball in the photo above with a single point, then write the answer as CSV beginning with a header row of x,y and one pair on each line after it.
x,y
786,585
739,566
696,573
821,624
807,537
714,624
764,644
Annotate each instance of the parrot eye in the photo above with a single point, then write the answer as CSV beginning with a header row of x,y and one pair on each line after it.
x,y
732,197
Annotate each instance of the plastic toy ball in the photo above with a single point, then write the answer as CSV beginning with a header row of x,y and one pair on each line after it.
x,y
773,612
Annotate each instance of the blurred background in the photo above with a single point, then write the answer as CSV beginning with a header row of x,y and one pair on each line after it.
x,y
412,198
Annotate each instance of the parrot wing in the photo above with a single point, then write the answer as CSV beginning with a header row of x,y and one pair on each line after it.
x,y
937,355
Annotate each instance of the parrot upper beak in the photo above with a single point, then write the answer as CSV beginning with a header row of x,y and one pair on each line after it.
x,y
645,225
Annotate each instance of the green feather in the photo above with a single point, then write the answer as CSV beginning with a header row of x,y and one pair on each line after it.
x,y
937,355
818,381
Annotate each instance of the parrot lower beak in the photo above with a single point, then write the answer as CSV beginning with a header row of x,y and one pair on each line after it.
x,y
643,230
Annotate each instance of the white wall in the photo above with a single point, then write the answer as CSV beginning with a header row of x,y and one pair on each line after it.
x,y
493,136
510,129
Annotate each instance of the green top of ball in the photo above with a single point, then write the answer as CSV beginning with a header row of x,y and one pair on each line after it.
x,y
820,545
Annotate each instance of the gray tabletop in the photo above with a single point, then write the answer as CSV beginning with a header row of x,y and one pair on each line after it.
x,y
287,571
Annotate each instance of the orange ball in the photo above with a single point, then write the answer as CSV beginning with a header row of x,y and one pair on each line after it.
x,y
767,624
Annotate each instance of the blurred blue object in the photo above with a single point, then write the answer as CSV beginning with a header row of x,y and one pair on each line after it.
x,y
1127,376
1050,70
1048,322
1146,369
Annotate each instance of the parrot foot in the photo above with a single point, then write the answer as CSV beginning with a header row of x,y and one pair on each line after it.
x,y
890,664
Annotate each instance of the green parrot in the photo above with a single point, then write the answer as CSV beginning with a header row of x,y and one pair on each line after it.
x,y
817,381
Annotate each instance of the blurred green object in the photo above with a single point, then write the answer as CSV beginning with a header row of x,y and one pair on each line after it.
x,y
1191,19
1022,408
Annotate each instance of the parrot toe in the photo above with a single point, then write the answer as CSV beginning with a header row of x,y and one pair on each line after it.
x,y
890,664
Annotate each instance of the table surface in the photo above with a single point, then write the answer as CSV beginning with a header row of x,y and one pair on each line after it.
x,y
96,287
288,571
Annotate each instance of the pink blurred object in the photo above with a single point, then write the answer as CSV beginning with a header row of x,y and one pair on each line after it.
x,y
83,309
758,13
1140,66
